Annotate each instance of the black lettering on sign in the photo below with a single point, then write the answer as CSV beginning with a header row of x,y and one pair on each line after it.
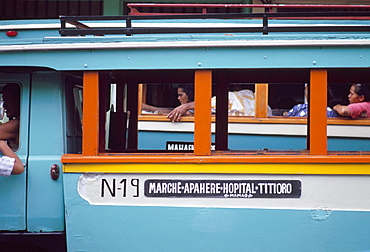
x,y
135,184
119,188
223,188
106,186
182,146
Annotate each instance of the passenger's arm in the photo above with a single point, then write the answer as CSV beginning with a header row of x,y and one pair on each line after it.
x,y
342,110
9,130
154,109
176,113
18,165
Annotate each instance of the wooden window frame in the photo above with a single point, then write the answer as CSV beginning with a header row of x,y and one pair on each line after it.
x,y
315,160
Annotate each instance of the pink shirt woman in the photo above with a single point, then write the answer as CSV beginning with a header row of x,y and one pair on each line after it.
x,y
359,99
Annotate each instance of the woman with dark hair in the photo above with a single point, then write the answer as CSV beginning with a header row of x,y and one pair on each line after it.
x,y
185,95
359,103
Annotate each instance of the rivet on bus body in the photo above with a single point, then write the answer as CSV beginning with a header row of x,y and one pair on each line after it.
x,y
85,65
320,214
199,63
360,56
265,57
11,33
128,58
313,62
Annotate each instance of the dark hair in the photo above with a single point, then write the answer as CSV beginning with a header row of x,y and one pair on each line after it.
x,y
189,90
361,89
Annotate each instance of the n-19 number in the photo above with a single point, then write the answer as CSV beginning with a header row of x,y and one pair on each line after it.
x,y
117,187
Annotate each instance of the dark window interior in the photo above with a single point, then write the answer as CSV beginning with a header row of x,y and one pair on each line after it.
x,y
48,9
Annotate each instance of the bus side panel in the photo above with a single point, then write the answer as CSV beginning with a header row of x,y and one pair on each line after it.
x,y
13,203
45,210
13,188
213,228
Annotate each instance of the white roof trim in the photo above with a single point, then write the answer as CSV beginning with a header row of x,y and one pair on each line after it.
x,y
180,44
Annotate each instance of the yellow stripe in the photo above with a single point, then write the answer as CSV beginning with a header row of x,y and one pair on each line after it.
x,y
221,168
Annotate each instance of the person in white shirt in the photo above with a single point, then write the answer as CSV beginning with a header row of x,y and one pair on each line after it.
x,y
9,162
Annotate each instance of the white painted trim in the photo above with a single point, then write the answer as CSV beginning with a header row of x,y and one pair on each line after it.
x,y
318,193
260,129
139,24
68,45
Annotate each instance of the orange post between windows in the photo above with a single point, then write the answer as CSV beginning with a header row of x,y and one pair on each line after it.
x,y
202,112
317,112
261,100
90,118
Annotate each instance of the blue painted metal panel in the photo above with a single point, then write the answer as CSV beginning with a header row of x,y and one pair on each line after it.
x,y
28,30
148,228
13,203
199,57
192,58
347,144
13,188
45,211
157,140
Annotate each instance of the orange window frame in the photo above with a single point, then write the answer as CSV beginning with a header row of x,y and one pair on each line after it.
x,y
317,123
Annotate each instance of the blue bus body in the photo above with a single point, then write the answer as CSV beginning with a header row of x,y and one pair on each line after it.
x,y
163,228
331,213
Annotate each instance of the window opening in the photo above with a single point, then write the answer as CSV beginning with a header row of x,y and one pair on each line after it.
x,y
74,102
10,113
48,9
257,134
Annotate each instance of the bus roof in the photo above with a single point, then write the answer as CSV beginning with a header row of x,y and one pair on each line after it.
x,y
150,42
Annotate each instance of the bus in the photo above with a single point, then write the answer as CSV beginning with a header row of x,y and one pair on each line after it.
x,y
102,175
